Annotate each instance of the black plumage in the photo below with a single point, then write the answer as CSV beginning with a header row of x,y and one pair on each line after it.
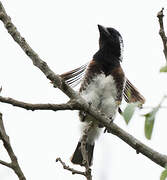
x,y
103,85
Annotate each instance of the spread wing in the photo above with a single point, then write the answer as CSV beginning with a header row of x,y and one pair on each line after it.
x,y
74,77
131,94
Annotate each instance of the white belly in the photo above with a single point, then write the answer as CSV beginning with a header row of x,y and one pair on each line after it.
x,y
102,95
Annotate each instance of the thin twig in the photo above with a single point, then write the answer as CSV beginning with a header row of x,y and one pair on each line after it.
x,y
5,164
71,105
37,61
14,163
151,107
160,16
159,105
73,171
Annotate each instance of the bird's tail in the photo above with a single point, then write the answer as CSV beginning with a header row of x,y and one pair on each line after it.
x,y
77,156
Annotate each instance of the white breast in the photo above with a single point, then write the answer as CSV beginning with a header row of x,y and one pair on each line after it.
x,y
102,92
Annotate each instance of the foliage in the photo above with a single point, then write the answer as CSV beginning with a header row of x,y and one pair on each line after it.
x,y
163,69
129,111
164,174
149,122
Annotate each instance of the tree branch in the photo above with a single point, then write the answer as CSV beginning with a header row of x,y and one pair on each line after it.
x,y
70,105
37,61
81,103
160,16
155,156
5,164
14,163
70,169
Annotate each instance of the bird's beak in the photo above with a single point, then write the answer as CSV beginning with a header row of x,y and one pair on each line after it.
x,y
103,31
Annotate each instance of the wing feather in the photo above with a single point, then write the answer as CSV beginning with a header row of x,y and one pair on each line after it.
x,y
74,77
131,94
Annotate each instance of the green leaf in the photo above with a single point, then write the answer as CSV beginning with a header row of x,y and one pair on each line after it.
x,y
163,175
129,111
149,122
163,69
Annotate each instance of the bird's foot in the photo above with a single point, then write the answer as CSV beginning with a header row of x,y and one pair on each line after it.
x,y
111,121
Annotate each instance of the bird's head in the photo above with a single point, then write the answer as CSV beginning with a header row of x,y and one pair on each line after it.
x,y
110,38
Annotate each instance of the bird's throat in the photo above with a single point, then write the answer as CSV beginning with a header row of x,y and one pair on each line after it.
x,y
106,60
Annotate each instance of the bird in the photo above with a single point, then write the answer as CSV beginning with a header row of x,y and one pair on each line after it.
x,y
103,85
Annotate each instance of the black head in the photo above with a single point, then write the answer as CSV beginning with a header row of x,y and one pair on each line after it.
x,y
111,39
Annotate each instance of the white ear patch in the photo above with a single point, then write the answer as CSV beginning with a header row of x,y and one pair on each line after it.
x,y
121,47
